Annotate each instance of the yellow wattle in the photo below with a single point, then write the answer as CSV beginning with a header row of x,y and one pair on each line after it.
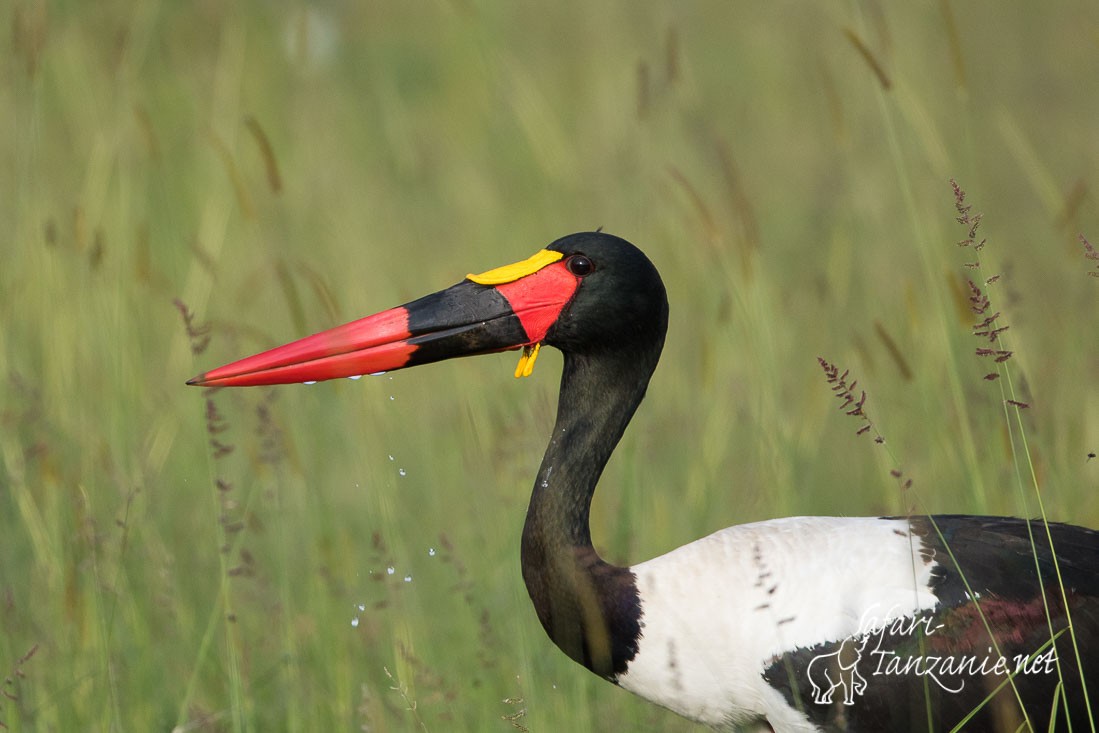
x,y
526,362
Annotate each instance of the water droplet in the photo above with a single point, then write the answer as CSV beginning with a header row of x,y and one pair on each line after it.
x,y
356,376
402,472
378,374
311,38
390,570
431,552
313,381
355,622
408,578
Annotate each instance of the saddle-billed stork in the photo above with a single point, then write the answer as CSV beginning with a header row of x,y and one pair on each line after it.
x,y
797,624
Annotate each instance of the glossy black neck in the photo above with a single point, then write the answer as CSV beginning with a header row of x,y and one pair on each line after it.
x,y
589,608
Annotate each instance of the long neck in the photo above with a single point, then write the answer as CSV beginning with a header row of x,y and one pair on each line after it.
x,y
589,608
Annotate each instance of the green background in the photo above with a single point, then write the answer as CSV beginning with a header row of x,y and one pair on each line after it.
x,y
284,167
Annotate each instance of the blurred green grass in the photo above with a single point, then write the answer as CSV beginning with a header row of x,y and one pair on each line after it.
x,y
795,207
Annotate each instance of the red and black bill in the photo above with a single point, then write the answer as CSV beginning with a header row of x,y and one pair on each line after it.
x,y
506,308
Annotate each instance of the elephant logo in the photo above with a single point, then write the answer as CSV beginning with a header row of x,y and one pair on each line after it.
x,y
827,672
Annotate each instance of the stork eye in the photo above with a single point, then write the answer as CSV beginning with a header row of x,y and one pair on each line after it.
x,y
579,265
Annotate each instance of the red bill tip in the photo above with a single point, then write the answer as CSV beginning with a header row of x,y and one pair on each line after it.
x,y
368,345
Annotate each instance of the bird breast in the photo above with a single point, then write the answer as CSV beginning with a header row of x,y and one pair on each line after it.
x,y
718,611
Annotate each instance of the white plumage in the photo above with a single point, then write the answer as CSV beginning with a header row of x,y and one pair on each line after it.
x,y
716,612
